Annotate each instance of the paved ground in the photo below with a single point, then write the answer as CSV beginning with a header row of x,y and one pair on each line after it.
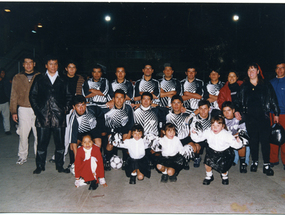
x,y
50,191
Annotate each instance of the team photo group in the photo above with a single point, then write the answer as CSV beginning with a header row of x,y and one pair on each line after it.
x,y
155,125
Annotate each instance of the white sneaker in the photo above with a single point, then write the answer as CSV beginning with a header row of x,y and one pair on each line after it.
x,y
71,168
21,161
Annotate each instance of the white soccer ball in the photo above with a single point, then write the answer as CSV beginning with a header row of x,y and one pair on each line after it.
x,y
116,162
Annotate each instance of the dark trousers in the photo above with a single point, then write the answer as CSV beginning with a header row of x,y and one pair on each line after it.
x,y
43,141
259,132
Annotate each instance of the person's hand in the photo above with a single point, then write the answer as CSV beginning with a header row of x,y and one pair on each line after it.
x,y
15,118
276,119
238,116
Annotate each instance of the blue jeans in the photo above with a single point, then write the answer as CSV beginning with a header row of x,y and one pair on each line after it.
x,y
247,153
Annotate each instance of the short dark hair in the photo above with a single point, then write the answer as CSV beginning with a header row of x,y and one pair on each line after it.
x,y
147,94
177,97
233,72
2,69
219,119
70,61
120,91
137,127
97,66
50,57
228,104
204,102
169,126
28,57
79,99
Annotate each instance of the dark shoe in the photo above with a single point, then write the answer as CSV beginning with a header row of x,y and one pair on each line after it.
x,y
173,178
8,133
254,166
233,164
274,164
61,169
38,170
197,162
124,165
186,166
133,179
208,181
164,178
284,166
242,168
93,185
225,181
51,160
267,170
107,166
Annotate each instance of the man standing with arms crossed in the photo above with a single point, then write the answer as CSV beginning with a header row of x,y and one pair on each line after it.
x,y
50,100
24,115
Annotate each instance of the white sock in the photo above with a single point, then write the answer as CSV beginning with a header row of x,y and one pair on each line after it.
x,y
225,176
133,174
165,172
209,174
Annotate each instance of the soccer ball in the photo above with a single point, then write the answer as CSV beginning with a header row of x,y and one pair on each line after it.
x,y
116,162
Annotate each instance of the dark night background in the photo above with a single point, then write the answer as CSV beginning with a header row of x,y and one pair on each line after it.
x,y
158,33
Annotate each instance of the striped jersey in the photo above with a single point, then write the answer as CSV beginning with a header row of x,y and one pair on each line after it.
x,y
196,86
169,85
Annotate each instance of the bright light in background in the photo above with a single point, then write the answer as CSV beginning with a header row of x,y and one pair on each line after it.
x,y
235,18
40,25
7,10
107,18
33,31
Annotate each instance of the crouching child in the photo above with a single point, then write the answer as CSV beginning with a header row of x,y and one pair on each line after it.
x,y
89,166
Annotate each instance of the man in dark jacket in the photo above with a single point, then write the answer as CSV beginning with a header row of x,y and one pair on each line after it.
x,y
50,100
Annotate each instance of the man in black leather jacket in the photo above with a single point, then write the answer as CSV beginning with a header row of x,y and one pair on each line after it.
x,y
50,100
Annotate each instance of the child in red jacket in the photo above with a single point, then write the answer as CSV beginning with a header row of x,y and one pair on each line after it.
x,y
89,164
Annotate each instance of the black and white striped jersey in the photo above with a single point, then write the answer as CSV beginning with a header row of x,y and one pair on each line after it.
x,y
119,120
89,122
169,85
180,123
195,86
148,119
198,123
234,125
214,89
126,86
103,86
147,86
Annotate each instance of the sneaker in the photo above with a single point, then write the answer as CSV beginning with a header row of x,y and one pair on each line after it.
x,y
133,179
164,178
254,166
186,166
197,162
51,160
207,180
242,168
107,166
172,178
267,170
93,185
71,168
21,161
